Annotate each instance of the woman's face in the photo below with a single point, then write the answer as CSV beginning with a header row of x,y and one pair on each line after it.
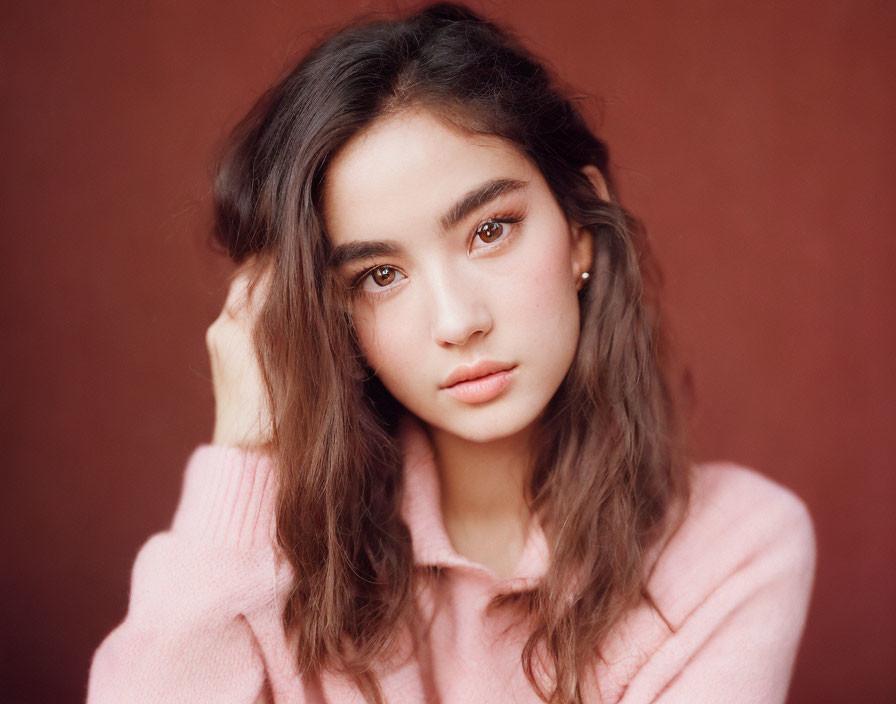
x,y
464,266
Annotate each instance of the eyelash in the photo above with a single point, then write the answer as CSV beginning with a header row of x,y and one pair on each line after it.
x,y
506,219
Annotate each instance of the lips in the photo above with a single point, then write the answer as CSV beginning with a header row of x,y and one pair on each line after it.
x,y
467,372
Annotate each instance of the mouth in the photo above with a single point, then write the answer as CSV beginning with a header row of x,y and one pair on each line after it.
x,y
479,382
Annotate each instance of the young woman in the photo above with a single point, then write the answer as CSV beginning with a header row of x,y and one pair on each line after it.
x,y
448,463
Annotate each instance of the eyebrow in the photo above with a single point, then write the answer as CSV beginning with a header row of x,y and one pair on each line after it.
x,y
472,200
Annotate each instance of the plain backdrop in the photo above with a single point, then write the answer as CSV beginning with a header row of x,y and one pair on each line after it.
x,y
755,139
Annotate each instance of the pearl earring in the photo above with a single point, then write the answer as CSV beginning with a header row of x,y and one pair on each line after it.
x,y
583,277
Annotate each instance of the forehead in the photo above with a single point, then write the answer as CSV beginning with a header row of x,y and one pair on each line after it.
x,y
405,170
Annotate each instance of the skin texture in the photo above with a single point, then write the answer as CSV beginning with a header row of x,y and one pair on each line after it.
x,y
452,298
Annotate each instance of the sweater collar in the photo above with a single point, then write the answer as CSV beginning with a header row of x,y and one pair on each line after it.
x,y
421,510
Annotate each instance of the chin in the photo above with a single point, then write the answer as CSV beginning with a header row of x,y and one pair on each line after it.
x,y
486,424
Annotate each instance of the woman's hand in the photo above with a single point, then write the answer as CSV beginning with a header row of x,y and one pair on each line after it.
x,y
242,411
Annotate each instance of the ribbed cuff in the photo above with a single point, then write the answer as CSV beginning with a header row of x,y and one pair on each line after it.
x,y
228,496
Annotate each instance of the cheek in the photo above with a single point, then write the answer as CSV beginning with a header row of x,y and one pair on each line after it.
x,y
543,289
386,345
548,316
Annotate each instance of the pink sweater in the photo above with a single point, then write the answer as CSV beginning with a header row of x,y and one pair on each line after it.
x,y
203,624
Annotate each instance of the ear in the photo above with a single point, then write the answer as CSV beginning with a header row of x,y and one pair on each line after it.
x,y
597,180
582,238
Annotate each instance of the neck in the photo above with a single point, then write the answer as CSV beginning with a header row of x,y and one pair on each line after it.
x,y
483,484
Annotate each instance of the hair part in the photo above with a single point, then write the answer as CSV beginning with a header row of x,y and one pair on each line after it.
x,y
611,461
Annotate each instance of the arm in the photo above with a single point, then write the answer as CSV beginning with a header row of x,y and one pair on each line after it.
x,y
202,591
196,591
741,600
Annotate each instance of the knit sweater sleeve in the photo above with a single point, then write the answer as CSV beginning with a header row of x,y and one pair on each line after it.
x,y
197,592
734,582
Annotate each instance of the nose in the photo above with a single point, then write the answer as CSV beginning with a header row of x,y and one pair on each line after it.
x,y
458,310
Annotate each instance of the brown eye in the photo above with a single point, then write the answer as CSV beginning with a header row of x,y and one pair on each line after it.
x,y
490,230
379,280
383,275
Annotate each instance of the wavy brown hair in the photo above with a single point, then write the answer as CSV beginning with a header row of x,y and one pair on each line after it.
x,y
611,462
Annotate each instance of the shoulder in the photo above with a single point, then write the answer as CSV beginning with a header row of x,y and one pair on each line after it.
x,y
748,503
739,526
730,582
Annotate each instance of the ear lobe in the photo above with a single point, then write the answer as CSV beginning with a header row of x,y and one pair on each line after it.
x,y
582,252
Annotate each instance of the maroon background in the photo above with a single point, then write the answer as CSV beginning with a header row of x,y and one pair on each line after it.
x,y
756,140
